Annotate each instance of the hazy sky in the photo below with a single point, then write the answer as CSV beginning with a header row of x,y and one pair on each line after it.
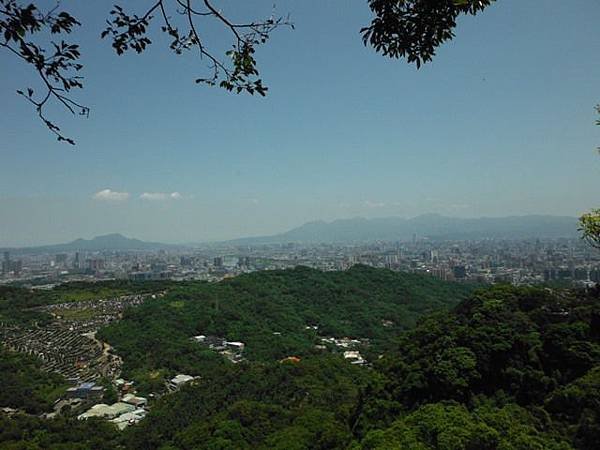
x,y
501,123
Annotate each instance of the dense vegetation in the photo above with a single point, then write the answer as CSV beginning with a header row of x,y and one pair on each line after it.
x,y
25,386
270,312
277,405
507,368
32,433
16,304
531,351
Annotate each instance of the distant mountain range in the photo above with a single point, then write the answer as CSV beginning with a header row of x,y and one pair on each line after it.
x,y
113,241
431,226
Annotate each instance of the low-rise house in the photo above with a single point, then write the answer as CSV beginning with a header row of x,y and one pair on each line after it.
x,y
122,408
107,411
351,354
236,346
86,391
179,380
8,411
138,402
354,357
215,343
129,418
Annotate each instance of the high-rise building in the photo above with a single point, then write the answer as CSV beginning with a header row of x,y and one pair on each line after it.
x,y
94,264
11,266
186,261
77,262
6,263
433,256
244,261
61,259
16,266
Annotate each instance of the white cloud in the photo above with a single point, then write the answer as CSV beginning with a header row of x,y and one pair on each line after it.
x,y
110,195
372,204
160,196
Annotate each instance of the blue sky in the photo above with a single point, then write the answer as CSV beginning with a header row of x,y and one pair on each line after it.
x,y
501,123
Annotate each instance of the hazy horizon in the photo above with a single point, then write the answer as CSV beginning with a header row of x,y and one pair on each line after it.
x,y
501,123
139,234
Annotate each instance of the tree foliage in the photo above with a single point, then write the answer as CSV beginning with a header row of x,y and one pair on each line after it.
x,y
24,28
270,312
451,426
22,432
589,223
414,29
506,368
25,386
58,65
400,28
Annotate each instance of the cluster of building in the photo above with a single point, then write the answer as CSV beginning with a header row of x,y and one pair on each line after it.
x,y
73,355
91,315
122,414
10,267
571,262
486,260
129,410
232,350
349,347
68,344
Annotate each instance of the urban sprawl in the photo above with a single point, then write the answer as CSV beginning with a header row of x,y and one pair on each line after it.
x,y
68,344
485,261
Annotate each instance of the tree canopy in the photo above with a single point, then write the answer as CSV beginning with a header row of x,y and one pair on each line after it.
x,y
507,367
590,227
273,313
589,223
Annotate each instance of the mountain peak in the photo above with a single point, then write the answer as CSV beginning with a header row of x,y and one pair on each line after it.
x,y
432,226
111,241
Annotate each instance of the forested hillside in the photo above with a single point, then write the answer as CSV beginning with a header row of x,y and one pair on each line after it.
x,y
506,368
509,368
270,313
25,386
515,366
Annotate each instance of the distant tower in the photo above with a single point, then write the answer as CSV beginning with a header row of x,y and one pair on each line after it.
x,y
6,263
434,256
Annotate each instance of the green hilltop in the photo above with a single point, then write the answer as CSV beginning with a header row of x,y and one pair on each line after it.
x,y
452,367
276,314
